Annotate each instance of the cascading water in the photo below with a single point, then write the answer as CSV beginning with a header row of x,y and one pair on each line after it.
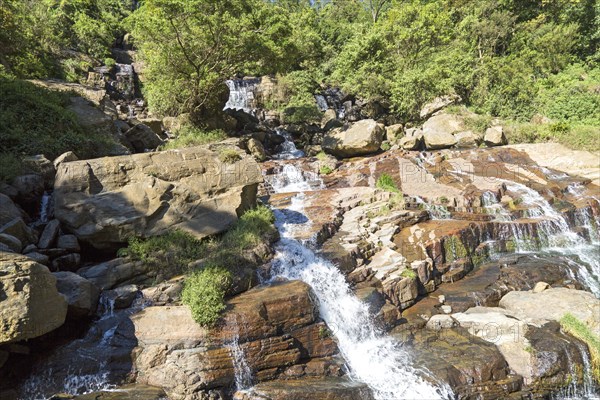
x,y
243,373
556,237
241,94
86,364
372,358
435,211
45,208
288,149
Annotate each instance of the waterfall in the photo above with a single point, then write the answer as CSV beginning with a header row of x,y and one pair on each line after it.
x,y
243,373
321,102
435,211
373,358
45,208
288,148
556,237
241,94
83,365
492,206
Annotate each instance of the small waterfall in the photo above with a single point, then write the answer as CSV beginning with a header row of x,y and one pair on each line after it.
x,y
83,365
45,207
372,358
321,102
492,206
288,148
556,237
243,373
241,94
435,211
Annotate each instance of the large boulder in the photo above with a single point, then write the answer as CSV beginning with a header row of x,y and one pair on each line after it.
x,y
494,136
274,327
8,210
360,138
82,295
30,304
552,304
143,138
105,201
39,164
438,131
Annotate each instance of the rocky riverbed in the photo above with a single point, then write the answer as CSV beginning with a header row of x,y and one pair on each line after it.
x,y
434,269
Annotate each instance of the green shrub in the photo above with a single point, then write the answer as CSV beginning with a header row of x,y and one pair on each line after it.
x,y
574,327
190,135
204,292
229,156
10,167
325,170
110,62
171,252
386,182
321,156
385,146
408,273
301,108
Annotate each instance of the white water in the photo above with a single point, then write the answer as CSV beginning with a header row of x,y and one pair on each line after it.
x,y
243,373
45,207
373,358
288,148
556,237
435,211
241,94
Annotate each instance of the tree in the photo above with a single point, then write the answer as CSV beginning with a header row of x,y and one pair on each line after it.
x,y
192,46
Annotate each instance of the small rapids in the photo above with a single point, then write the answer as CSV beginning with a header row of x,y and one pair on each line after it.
x,y
373,358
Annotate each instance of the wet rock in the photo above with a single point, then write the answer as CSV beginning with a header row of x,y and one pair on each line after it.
x,y
105,201
494,136
308,389
468,364
11,242
127,392
65,157
30,248
68,242
82,295
142,138
30,305
275,325
68,262
440,321
360,138
49,235
123,296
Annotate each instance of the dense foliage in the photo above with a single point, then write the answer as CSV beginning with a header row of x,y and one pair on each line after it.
x,y
513,59
35,120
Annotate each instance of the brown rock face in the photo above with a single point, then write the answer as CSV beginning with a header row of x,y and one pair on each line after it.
x,y
308,389
105,201
30,305
275,327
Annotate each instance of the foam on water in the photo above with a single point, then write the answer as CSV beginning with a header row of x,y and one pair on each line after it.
x,y
373,358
